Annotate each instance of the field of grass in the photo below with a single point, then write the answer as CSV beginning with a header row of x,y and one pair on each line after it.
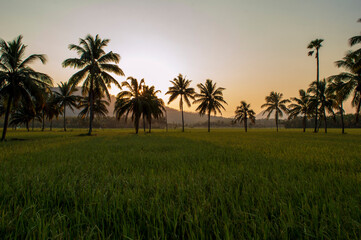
x,y
226,184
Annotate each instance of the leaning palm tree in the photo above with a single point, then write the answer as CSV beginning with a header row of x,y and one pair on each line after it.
x,y
243,113
130,101
66,98
210,100
18,81
95,67
274,103
300,106
153,107
181,88
315,45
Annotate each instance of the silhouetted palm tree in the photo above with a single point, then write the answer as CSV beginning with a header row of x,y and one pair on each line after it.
x,y
95,65
325,100
339,92
130,101
353,41
315,45
52,109
210,99
181,88
100,106
2,106
275,103
23,115
66,98
18,81
243,113
300,106
153,107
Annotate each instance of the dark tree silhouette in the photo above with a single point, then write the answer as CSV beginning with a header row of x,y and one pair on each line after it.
x,y
300,106
275,103
243,113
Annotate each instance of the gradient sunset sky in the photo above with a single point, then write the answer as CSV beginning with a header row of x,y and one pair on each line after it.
x,y
248,47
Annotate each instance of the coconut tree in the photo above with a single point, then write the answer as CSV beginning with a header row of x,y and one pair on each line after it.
x,y
153,107
315,46
243,113
353,41
324,101
274,103
18,81
130,101
52,109
100,106
181,88
95,65
24,114
300,106
339,92
210,100
66,98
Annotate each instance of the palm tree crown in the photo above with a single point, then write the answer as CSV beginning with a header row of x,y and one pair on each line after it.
x,y
66,98
181,88
300,106
95,64
274,103
18,81
153,107
210,99
243,113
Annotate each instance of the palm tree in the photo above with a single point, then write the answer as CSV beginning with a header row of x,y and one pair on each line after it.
x,y
210,99
52,109
130,101
153,107
23,115
243,113
18,81
66,98
300,106
100,106
339,93
353,41
324,99
315,45
275,103
95,65
181,88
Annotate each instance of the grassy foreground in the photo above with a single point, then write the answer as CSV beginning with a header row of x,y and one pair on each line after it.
x,y
226,184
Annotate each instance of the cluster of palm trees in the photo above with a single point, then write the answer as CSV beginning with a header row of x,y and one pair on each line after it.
x,y
324,96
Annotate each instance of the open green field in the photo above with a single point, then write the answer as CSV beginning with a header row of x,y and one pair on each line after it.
x,y
226,184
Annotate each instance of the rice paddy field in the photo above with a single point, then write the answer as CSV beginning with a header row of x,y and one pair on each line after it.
x,y
226,184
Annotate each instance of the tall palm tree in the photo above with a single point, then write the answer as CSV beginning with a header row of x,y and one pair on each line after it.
x,y
210,99
243,113
130,101
95,67
181,88
18,81
315,45
300,106
153,107
275,103
353,41
66,98
324,99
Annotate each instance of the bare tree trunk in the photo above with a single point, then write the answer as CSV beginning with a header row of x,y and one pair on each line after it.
x,y
325,119
318,76
51,124
136,124
304,123
209,121
245,123
182,113
27,126
91,102
6,121
342,123
150,124
277,120
143,123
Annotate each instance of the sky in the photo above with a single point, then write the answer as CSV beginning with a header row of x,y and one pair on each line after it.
x,y
248,47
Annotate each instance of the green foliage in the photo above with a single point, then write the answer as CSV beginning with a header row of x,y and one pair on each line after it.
x,y
197,185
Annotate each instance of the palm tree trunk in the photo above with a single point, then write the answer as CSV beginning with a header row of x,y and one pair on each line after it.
x,y
136,124
143,123
318,76
277,120
325,119
150,125
358,109
64,118
342,123
43,127
304,123
182,113
27,126
245,123
209,121
166,121
51,124
32,127
91,102
6,121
